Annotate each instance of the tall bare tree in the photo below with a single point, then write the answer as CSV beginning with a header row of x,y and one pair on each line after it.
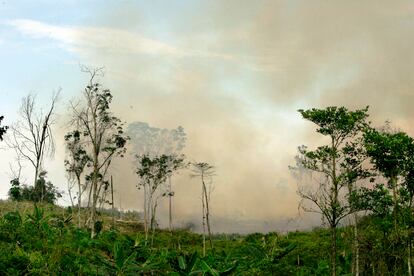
x,y
31,137
102,134
206,172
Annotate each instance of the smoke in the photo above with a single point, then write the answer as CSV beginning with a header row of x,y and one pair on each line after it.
x,y
233,73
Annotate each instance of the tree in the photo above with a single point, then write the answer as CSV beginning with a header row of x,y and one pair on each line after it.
x,y
32,136
151,142
43,191
174,163
3,129
408,192
354,157
76,163
153,172
15,192
154,141
341,126
391,154
102,135
206,172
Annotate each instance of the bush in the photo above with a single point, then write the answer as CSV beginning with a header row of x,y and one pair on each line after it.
x,y
44,191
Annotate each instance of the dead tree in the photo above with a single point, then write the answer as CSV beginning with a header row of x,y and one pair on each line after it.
x,y
31,137
206,172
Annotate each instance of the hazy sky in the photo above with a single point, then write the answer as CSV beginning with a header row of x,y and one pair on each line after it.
x,y
232,73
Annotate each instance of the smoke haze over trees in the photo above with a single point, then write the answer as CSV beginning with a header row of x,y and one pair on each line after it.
x,y
235,96
124,125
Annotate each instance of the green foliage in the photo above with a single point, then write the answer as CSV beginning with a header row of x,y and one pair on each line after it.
x,y
335,121
78,156
376,199
391,153
153,170
41,242
97,137
338,163
44,191
3,129
15,192
46,242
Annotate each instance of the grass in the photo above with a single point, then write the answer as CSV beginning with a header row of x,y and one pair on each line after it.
x,y
44,239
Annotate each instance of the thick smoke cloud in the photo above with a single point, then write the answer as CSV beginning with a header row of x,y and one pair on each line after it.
x,y
233,74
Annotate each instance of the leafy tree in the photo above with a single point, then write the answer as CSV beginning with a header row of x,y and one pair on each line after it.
x,y
153,173
341,126
43,192
352,166
153,141
391,154
76,163
102,135
15,192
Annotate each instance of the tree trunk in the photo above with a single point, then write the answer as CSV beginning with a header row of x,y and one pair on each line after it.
x,y
150,209
409,257
112,203
153,212
146,212
70,196
79,201
393,183
356,244
170,203
334,206
93,211
207,212
36,176
355,249
333,250
94,196
96,145
204,223
89,203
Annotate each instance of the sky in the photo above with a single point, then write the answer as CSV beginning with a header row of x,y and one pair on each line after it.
x,y
233,73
